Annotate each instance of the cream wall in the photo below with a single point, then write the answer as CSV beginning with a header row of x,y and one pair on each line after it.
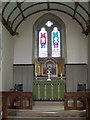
x,y
76,42
0,57
7,59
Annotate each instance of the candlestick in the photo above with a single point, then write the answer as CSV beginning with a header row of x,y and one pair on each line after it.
x,y
36,75
48,75
61,74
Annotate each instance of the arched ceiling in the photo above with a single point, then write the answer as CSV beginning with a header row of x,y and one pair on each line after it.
x,y
14,13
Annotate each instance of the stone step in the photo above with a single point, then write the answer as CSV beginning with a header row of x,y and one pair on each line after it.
x,y
47,118
47,109
60,113
48,103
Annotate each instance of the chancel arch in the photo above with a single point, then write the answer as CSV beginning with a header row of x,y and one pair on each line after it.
x,y
49,45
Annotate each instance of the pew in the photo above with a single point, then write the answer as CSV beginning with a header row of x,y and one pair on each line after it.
x,y
16,100
84,102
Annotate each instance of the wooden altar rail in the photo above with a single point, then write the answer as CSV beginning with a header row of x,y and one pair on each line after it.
x,y
15,100
83,97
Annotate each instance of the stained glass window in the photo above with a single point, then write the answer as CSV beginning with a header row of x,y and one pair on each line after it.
x,y
43,43
52,46
49,47
49,23
55,37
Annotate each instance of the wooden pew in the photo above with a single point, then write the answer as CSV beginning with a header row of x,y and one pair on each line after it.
x,y
16,100
82,97
88,106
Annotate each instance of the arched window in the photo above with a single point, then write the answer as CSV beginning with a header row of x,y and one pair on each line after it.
x,y
49,44
45,42
55,38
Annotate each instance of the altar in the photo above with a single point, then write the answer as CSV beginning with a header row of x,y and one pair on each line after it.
x,y
48,90
49,82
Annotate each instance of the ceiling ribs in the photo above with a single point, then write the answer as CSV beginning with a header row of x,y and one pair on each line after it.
x,y
52,9
76,5
19,6
86,32
48,6
13,11
8,27
5,8
5,23
88,13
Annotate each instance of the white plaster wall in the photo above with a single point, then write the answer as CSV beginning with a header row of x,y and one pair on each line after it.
x,y
23,45
7,59
0,57
76,42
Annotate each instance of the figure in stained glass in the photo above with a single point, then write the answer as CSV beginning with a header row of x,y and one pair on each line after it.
x,y
43,40
55,42
55,37
43,43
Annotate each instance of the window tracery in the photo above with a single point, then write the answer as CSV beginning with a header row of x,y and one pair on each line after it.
x,y
49,45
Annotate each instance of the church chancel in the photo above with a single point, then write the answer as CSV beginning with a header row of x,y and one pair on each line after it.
x,y
49,86
49,83
45,60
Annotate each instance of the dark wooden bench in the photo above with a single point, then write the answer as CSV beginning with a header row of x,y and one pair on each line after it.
x,y
16,100
82,97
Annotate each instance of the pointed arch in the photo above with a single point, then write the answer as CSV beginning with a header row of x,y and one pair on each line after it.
x,y
55,22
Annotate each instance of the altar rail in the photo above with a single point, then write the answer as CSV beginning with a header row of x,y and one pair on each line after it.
x,y
48,90
16,100
82,97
